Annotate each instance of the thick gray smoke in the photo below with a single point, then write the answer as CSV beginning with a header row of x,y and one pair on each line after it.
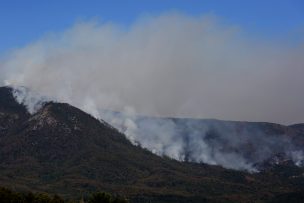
x,y
235,145
171,65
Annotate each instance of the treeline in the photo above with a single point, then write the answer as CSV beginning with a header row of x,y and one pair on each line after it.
x,y
9,196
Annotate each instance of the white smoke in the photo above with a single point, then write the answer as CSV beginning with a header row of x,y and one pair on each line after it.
x,y
33,101
169,65
297,157
234,145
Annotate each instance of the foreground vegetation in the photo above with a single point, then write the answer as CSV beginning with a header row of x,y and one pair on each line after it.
x,y
9,196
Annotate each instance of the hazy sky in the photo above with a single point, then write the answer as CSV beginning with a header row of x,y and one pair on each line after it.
x,y
241,60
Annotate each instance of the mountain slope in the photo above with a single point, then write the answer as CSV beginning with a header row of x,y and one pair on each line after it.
x,y
11,113
61,149
231,144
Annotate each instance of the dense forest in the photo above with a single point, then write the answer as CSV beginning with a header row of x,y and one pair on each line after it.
x,y
65,151
9,196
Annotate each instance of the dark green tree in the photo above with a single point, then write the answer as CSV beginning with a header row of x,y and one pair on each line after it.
x,y
100,197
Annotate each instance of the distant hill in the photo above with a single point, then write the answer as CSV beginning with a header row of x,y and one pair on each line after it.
x,y
232,144
63,150
299,127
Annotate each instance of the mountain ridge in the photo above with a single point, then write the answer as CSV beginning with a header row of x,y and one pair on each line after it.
x,y
61,149
188,139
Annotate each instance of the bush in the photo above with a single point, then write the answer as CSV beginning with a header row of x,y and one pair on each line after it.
x,y
8,196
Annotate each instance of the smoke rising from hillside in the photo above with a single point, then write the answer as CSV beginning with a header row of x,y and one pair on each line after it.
x,y
170,65
234,145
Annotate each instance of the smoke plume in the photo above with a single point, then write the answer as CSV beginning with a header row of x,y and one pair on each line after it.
x,y
170,65
235,145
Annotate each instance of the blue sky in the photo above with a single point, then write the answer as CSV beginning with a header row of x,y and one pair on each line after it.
x,y
25,21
